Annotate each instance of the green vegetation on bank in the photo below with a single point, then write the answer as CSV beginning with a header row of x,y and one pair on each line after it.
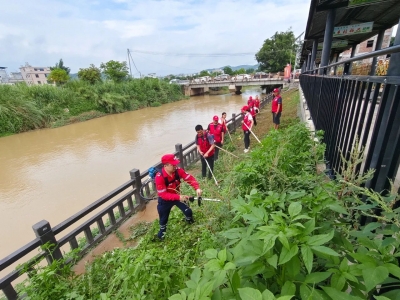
x,y
24,108
284,231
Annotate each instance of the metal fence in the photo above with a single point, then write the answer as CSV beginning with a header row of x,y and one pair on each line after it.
x,y
122,203
363,108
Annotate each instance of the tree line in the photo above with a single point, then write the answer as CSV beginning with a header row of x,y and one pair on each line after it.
x,y
112,70
275,53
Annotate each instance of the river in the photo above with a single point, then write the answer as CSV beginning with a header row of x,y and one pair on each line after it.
x,y
51,174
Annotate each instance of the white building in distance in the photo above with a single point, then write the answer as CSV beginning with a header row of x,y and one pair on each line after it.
x,y
35,75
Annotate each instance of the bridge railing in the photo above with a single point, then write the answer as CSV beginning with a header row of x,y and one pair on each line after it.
x,y
358,108
121,203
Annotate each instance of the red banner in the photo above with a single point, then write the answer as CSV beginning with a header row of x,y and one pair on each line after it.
x,y
287,71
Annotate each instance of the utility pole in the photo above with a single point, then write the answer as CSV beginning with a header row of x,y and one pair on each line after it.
x,y
129,61
297,53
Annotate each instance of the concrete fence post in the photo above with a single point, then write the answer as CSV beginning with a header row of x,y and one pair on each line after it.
x,y
135,174
178,148
234,122
45,233
9,292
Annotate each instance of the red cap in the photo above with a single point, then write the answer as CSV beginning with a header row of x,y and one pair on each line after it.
x,y
250,98
215,118
169,159
245,108
276,90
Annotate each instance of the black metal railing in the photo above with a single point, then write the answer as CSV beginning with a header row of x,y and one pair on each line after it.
x,y
122,203
366,108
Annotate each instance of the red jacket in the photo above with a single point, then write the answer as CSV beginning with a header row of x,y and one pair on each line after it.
x,y
253,112
275,103
216,131
257,103
224,126
171,192
247,121
204,143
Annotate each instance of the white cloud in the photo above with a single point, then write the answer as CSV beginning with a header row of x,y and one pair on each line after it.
x,y
82,33
128,29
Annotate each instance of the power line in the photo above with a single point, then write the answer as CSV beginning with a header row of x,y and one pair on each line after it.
x,y
195,70
193,54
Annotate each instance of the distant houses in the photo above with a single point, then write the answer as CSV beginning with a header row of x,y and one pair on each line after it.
x,y
28,74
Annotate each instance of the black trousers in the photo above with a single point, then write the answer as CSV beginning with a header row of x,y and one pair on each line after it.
x,y
216,150
204,166
246,138
164,208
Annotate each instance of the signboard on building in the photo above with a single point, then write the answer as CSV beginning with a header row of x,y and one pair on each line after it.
x,y
353,29
335,44
355,3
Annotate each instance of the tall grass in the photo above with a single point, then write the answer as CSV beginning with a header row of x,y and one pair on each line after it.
x,y
24,108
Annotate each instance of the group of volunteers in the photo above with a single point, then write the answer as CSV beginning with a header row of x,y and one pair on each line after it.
x,y
208,142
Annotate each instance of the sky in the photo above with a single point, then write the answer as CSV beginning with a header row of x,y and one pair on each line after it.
x,y
88,32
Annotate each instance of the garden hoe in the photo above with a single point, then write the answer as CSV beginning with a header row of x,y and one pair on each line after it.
x,y
226,151
209,168
252,133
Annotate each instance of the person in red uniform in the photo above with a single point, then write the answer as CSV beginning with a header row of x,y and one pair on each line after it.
x,y
250,102
205,147
218,131
253,113
247,124
168,182
257,104
222,121
276,108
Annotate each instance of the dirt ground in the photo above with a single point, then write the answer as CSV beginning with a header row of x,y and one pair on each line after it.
x,y
264,124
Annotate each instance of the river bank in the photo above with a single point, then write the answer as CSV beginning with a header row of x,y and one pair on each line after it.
x,y
25,108
182,241
282,231
125,236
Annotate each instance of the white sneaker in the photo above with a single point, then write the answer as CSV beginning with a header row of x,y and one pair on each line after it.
x,y
246,150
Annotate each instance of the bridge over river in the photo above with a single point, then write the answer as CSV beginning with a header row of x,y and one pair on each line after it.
x,y
192,88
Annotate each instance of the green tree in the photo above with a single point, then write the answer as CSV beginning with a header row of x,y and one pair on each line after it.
x,y
250,71
115,70
277,51
60,65
91,74
204,73
228,70
240,71
392,41
59,76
